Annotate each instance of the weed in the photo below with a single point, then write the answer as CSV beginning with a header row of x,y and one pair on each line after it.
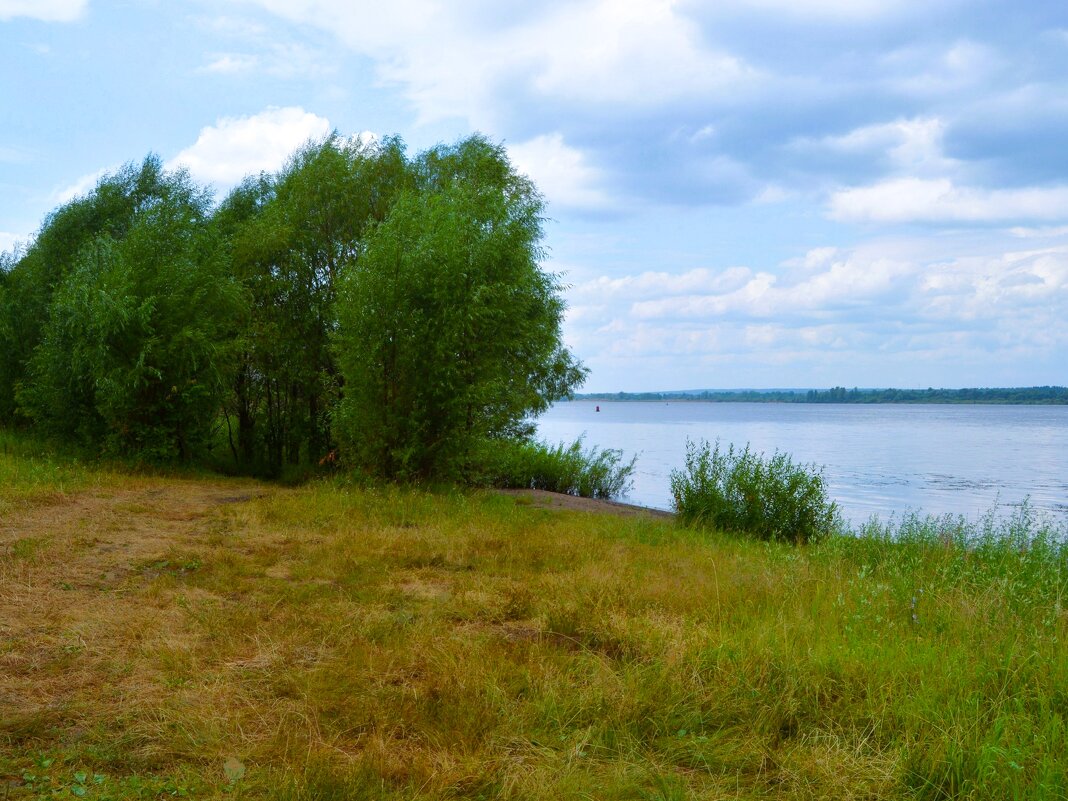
x,y
768,498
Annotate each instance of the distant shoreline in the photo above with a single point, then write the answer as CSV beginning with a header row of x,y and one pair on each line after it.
x,y
999,396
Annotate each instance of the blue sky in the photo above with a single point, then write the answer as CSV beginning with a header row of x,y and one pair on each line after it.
x,y
743,193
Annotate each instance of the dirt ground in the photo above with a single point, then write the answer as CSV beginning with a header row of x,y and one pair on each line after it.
x,y
556,500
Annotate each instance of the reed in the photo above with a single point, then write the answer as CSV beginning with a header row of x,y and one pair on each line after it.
x,y
569,469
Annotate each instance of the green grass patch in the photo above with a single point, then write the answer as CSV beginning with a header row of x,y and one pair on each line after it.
x,y
333,641
31,470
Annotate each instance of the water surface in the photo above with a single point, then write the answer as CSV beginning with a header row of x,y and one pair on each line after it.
x,y
879,459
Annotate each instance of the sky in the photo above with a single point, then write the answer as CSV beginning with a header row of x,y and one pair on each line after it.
x,y
740,193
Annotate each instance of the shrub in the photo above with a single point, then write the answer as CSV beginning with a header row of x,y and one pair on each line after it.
x,y
767,498
568,469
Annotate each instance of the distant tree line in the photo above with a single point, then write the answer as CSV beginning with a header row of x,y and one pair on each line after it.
x,y
1018,395
361,303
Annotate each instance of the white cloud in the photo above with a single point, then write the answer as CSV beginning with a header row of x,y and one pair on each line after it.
x,y
281,60
451,61
659,284
923,72
235,147
911,145
848,282
82,185
10,155
231,63
772,194
238,27
940,200
1051,231
630,52
869,306
1011,285
561,172
8,240
831,10
44,10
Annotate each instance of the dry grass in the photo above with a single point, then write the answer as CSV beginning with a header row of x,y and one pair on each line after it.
x,y
223,638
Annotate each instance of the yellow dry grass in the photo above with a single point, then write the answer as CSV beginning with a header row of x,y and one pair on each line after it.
x,y
224,638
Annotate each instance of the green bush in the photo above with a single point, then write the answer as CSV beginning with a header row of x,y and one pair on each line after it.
x,y
767,498
568,469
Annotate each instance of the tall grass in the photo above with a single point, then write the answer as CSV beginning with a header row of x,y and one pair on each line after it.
x,y
569,469
385,642
30,470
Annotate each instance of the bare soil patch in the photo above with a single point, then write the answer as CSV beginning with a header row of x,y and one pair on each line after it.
x,y
557,500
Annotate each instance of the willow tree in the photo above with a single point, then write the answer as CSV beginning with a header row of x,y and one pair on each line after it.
x,y
288,236
109,209
449,329
134,351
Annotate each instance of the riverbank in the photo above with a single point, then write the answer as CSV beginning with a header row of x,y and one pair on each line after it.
x,y
167,636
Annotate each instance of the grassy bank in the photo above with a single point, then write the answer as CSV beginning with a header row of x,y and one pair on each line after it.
x,y
182,637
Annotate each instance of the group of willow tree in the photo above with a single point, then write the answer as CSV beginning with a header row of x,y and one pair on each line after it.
x,y
361,303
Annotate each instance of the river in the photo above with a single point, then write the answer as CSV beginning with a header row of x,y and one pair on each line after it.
x,y
881,459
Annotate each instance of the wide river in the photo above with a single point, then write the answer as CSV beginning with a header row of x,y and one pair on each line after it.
x,y
878,459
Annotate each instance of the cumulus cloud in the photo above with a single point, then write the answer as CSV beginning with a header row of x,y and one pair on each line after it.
x,y
235,147
845,283
938,69
231,63
858,303
44,10
561,172
647,54
687,103
456,60
82,185
831,10
280,60
660,284
904,200
10,155
1049,231
912,145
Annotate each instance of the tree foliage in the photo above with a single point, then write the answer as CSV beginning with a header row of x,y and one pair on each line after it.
x,y
392,306
289,237
449,329
134,349
108,210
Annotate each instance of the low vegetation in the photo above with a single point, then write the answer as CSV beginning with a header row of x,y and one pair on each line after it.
x,y
166,637
766,497
568,469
